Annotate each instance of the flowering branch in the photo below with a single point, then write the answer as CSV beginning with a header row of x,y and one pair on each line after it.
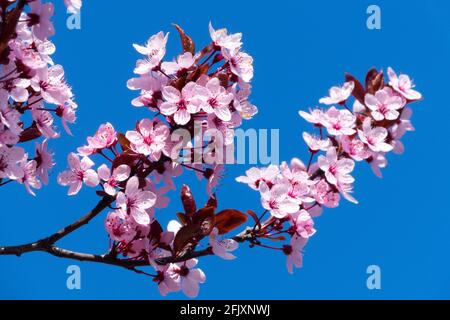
x,y
197,100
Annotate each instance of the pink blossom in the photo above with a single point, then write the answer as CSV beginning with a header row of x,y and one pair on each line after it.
x,y
339,122
254,176
79,172
73,6
105,137
52,86
214,177
44,122
180,104
403,85
246,109
293,251
17,89
384,104
184,62
338,95
120,174
29,179
377,161
67,113
149,138
167,280
336,170
120,226
315,116
241,64
303,224
374,138
221,38
215,99
315,143
222,248
135,201
151,87
40,19
277,200
9,162
189,277
9,117
355,148
155,49
44,161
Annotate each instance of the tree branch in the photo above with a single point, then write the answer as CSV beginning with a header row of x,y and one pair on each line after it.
x,y
47,243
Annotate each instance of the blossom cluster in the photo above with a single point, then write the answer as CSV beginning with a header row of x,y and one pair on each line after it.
x,y
33,92
295,193
211,88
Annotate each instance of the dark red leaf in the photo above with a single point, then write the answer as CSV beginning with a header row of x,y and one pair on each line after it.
x,y
229,219
358,92
205,218
186,239
212,201
374,81
186,41
188,201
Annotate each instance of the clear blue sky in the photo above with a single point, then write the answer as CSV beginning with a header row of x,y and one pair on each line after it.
x,y
300,49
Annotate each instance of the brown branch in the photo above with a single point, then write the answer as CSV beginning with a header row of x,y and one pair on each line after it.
x,y
47,243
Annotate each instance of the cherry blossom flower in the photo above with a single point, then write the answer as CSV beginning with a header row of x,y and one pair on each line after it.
x,y
155,49
40,19
374,138
149,138
183,63
355,148
384,104
44,122
215,99
73,6
222,248
403,85
79,172
276,200
44,161
50,83
17,89
339,122
316,117
254,176
180,104
241,64
189,277
222,39
120,174
336,170
105,137
67,113
29,179
135,201
9,159
120,226
315,143
303,224
338,95
294,253
151,87
167,279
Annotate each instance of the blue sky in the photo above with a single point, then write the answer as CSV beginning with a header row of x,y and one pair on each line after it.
x,y
300,49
